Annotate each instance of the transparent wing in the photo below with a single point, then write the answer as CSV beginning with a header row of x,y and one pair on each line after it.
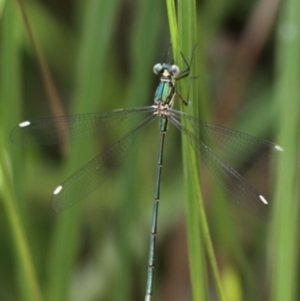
x,y
94,173
59,129
246,147
240,190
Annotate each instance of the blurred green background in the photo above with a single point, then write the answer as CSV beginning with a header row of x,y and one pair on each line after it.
x,y
66,57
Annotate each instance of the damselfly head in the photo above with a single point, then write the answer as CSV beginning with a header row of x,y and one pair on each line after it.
x,y
171,69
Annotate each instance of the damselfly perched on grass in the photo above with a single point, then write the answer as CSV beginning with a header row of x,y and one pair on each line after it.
x,y
92,175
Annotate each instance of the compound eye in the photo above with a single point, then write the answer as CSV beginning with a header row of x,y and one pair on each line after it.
x,y
157,68
175,70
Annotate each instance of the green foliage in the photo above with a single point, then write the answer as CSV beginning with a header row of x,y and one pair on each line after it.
x,y
90,56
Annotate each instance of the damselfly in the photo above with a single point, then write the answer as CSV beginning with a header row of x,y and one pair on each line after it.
x,y
93,174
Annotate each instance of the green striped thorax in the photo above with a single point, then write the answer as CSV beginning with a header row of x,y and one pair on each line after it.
x,y
165,91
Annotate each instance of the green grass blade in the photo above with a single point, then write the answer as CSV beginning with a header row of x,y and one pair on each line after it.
x,y
188,24
17,228
193,194
195,218
284,241
11,167
194,204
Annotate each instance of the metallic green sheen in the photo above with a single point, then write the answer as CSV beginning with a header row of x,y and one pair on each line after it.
x,y
163,92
